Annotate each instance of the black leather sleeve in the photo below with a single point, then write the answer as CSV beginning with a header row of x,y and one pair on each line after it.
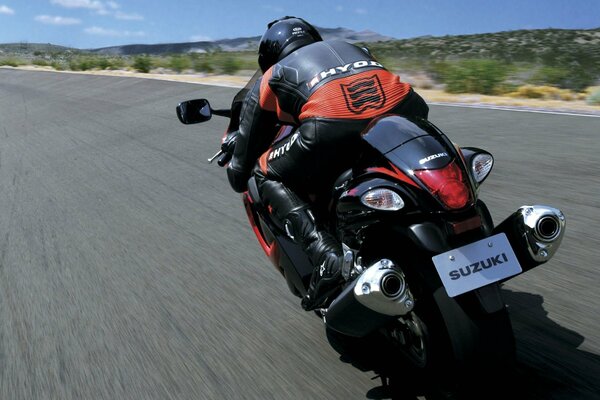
x,y
257,130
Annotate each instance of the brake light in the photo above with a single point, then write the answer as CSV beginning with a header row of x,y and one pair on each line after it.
x,y
447,184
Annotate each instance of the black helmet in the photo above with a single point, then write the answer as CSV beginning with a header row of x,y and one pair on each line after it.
x,y
282,37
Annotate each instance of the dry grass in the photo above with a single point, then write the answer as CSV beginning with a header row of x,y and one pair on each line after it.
x,y
554,104
430,95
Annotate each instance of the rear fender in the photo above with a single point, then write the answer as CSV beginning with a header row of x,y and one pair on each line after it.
x,y
431,240
460,314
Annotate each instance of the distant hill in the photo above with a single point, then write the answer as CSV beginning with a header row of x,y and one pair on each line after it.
x,y
237,44
541,45
563,58
544,46
567,58
575,51
26,48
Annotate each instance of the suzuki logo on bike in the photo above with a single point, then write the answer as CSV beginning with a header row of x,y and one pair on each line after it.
x,y
432,157
278,152
479,266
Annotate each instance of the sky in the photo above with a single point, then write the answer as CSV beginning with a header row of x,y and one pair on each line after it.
x,y
88,24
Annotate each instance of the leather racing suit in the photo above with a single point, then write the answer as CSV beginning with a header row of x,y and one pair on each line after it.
x,y
331,90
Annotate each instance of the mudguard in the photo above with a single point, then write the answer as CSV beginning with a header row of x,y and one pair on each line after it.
x,y
471,317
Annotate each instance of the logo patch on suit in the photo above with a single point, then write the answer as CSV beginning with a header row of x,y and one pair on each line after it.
x,y
364,94
280,151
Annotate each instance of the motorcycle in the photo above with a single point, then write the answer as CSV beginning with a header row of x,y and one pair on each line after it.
x,y
423,261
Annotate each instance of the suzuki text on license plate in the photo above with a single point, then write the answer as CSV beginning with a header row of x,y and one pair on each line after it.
x,y
477,264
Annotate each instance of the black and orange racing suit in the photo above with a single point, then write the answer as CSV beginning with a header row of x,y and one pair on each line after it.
x,y
331,90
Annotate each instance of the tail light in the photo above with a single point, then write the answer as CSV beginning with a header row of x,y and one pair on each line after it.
x,y
447,184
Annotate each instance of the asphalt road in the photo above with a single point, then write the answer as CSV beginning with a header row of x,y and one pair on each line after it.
x,y
128,270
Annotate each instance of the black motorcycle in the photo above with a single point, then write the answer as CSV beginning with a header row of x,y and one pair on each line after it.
x,y
423,261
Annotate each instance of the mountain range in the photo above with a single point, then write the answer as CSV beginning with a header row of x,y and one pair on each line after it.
x,y
551,47
237,44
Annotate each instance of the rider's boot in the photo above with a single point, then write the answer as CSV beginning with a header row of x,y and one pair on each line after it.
x,y
323,250
325,254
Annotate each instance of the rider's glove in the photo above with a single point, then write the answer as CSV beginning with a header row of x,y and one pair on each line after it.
x,y
238,177
227,147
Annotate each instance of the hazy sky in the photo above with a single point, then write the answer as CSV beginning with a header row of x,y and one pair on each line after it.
x,y
98,23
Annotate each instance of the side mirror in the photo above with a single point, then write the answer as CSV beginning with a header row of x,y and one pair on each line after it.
x,y
194,111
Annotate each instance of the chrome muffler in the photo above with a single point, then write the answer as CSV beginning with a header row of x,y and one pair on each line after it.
x,y
377,296
383,289
535,233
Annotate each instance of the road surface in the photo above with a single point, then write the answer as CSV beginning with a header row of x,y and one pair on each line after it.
x,y
128,270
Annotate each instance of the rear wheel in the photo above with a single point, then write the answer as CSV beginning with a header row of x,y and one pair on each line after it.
x,y
401,354
446,355
409,336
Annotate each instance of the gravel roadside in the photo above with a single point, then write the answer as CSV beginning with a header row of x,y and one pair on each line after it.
x,y
431,96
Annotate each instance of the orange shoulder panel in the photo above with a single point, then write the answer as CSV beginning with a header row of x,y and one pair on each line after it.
x,y
268,100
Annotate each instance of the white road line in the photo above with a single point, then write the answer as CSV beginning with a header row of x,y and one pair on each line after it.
x,y
464,105
436,103
514,108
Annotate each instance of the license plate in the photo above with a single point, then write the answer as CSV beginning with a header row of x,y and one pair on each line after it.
x,y
477,264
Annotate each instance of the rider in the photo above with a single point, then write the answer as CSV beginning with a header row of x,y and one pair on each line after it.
x,y
331,90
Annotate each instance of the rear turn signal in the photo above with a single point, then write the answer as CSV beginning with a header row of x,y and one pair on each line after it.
x,y
447,184
481,165
382,199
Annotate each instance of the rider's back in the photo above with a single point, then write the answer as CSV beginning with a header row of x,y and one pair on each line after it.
x,y
334,79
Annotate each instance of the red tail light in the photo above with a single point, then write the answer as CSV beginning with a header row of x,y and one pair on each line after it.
x,y
447,184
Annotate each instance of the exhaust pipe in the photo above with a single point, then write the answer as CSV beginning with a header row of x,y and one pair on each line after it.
x,y
378,295
535,233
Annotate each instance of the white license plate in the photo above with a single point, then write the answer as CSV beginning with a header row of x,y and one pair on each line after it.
x,y
476,264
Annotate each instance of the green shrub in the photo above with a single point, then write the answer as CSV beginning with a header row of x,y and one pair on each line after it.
x,y
102,63
59,66
436,69
580,78
475,76
203,66
11,62
179,63
77,64
86,63
594,98
231,65
116,63
142,63
40,62
554,76
572,76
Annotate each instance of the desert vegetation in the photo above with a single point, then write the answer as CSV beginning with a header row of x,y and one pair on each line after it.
x,y
543,64
548,63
